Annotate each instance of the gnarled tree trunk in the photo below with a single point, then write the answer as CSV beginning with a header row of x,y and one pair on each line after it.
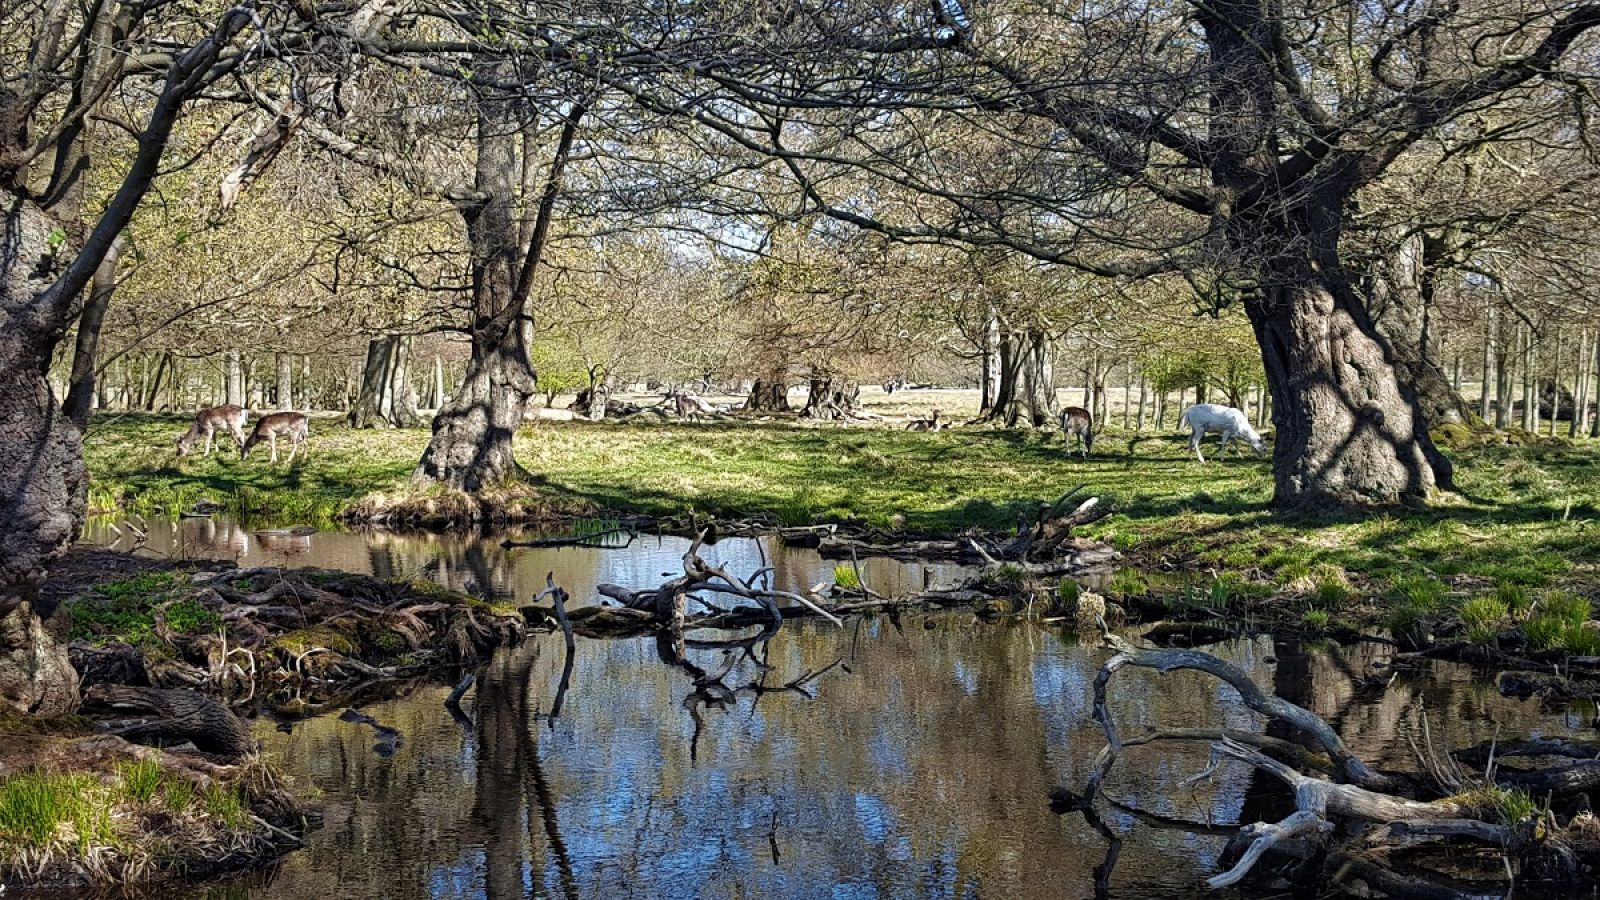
x,y
770,394
1026,391
1347,430
1400,301
43,483
472,434
831,397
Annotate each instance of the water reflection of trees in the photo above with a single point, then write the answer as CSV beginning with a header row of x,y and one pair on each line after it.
x,y
922,768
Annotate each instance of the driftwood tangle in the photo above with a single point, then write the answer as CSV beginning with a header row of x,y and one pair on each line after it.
x,y
1352,824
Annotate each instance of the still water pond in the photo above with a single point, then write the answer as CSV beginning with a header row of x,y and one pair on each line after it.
x,y
920,766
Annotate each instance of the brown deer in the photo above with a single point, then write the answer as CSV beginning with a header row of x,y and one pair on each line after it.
x,y
929,424
291,425
208,422
689,406
1077,423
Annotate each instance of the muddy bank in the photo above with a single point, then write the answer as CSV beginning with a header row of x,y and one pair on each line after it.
x,y
83,809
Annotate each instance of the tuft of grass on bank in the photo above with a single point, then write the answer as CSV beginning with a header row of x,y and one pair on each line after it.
x,y
1525,517
131,821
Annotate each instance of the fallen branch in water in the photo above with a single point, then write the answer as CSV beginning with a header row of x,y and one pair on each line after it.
x,y
1356,827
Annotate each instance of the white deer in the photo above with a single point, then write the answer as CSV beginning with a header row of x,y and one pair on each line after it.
x,y
291,425
208,422
1210,418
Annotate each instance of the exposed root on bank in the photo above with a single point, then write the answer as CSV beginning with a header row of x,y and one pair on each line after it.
x,y
1368,832
301,639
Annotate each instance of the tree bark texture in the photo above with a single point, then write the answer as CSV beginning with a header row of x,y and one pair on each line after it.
x,y
1026,391
1400,301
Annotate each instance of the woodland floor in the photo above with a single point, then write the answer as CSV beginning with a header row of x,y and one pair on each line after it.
x,y
1526,515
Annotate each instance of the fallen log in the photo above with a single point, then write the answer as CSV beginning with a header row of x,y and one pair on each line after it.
x,y
179,715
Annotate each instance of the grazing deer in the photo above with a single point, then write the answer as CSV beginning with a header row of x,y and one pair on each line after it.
x,y
208,422
1077,423
929,424
291,425
690,406
1210,418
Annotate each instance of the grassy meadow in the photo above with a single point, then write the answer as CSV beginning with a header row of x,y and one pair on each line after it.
x,y
1525,517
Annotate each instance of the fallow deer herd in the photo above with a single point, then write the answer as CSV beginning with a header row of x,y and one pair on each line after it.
x,y
292,426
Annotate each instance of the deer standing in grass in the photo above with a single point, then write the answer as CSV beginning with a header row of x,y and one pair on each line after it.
x,y
291,425
1077,423
1210,418
208,422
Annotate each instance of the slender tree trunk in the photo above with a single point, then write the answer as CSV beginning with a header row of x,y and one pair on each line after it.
x,y
1144,396
368,411
1502,380
1594,389
438,399
283,394
1530,391
80,396
163,369
1555,381
1487,365
990,379
402,394
1580,402
234,378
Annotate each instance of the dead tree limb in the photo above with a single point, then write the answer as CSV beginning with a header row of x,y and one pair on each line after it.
x,y
1348,766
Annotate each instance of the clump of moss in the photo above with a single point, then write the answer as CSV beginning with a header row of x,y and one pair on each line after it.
x,y
305,639
844,576
126,610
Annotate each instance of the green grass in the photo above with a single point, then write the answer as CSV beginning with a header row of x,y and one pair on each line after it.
x,y
1560,621
1171,510
1483,618
35,806
141,779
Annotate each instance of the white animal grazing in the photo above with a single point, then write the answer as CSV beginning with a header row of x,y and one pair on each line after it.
x,y
1210,418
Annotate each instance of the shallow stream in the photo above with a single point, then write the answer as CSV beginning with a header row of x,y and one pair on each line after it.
x,y
919,766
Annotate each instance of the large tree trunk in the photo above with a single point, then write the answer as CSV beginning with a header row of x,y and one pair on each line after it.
x,y
1401,300
472,434
770,394
43,484
402,394
1348,432
1026,392
831,397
